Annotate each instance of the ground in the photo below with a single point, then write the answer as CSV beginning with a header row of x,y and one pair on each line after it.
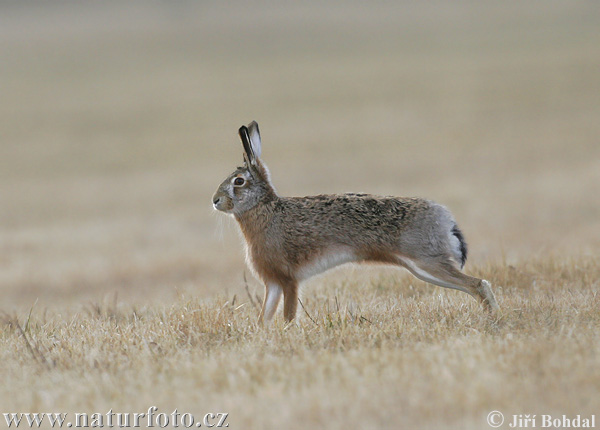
x,y
122,288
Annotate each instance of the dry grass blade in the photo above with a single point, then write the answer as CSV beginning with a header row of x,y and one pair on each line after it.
x,y
35,351
248,292
306,312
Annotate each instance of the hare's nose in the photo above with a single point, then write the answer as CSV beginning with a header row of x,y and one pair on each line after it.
x,y
216,200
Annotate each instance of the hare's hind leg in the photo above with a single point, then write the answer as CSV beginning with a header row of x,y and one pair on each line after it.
x,y
272,297
445,274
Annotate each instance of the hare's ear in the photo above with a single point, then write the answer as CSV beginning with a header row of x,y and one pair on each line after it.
x,y
249,156
251,140
255,142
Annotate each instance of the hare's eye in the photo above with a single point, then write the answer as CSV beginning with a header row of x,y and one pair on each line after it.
x,y
238,181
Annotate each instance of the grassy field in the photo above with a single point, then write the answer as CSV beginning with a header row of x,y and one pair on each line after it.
x,y
121,288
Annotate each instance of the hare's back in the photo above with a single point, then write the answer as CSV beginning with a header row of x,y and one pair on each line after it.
x,y
354,227
355,213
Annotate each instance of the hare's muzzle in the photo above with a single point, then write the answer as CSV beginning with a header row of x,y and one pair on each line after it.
x,y
222,203
216,202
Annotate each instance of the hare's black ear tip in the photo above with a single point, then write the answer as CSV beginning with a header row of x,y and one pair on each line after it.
x,y
244,134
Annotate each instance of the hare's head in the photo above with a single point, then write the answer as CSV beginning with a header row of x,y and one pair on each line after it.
x,y
248,185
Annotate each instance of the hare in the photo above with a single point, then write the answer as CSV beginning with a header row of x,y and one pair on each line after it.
x,y
290,239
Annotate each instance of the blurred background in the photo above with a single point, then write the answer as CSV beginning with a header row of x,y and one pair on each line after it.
x,y
118,120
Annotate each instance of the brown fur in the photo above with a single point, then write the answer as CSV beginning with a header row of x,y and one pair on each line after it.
x,y
285,235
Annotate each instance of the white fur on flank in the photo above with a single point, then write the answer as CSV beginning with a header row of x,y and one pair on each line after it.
x,y
274,292
328,260
427,277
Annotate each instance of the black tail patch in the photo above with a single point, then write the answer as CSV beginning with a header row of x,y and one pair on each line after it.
x,y
463,245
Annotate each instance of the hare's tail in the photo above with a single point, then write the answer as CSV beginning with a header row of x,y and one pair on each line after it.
x,y
460,250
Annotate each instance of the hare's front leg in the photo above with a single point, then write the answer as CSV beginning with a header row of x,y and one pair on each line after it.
x,y
272,296
290,301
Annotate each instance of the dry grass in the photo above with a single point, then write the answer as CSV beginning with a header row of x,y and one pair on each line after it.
x,y
122,289
371,355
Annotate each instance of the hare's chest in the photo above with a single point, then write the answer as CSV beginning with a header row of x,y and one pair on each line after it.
x,y
268,261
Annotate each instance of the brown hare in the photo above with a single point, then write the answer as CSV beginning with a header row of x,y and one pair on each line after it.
x,y
290,239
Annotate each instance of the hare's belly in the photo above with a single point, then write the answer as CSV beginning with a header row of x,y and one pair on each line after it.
x,y
325,260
